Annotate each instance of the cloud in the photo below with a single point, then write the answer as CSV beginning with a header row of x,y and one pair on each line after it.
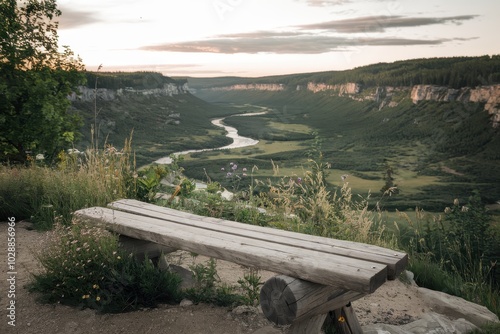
x,y
262,34
380,23
70,18
315,38
75,18
306,44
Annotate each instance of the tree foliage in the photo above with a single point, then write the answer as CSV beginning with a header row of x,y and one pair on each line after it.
x,y
35,81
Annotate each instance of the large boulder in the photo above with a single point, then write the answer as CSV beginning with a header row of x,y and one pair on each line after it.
x,y
429,323
456,308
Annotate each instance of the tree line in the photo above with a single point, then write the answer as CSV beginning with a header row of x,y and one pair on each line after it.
x,y
135,80
453,72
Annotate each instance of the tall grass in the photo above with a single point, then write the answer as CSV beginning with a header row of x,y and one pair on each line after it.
x,y
456,252
92,178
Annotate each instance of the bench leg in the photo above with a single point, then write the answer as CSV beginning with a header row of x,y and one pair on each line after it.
x,y
345,321
142,248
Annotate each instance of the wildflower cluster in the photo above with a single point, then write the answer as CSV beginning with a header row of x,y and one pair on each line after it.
x,y
232,171
75,258
233,174
84,266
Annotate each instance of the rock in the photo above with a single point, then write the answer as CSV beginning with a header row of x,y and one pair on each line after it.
x,y
429,323
456,307
227,195
185,274
410,277
185,303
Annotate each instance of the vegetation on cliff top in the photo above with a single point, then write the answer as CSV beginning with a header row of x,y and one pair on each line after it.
x,y
453,72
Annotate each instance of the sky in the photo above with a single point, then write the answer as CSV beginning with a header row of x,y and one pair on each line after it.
x,y
251,38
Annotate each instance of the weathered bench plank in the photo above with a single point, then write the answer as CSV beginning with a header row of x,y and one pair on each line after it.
x,y
225,242
395,261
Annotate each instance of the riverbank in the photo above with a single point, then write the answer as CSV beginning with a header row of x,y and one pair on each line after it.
x,y
231,132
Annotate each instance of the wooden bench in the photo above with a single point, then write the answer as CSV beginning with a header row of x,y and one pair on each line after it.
x,y
318,276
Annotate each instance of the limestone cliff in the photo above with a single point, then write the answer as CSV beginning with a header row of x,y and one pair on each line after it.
x,y
87,94
489,95
386,95
267,87
349,88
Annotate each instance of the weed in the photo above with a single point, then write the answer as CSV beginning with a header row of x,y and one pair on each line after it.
x,y
250,285
206,290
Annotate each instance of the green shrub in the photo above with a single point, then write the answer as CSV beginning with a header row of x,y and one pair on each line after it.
x,y
84,266
148,182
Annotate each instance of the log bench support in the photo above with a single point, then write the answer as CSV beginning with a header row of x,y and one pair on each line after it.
x,y
318,277
305,305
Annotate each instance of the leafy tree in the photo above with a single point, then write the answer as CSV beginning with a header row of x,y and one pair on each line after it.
x,y
35,81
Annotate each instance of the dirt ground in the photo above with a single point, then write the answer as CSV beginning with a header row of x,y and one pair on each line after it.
x,y
394,303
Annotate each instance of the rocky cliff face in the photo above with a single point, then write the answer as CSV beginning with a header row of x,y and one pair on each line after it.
x,y
489,95
87,94
349,88
268,87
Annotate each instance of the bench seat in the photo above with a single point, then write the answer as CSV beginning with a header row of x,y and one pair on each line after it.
x,y
347,265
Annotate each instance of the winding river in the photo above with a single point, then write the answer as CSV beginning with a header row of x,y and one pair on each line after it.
x,y
238,141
